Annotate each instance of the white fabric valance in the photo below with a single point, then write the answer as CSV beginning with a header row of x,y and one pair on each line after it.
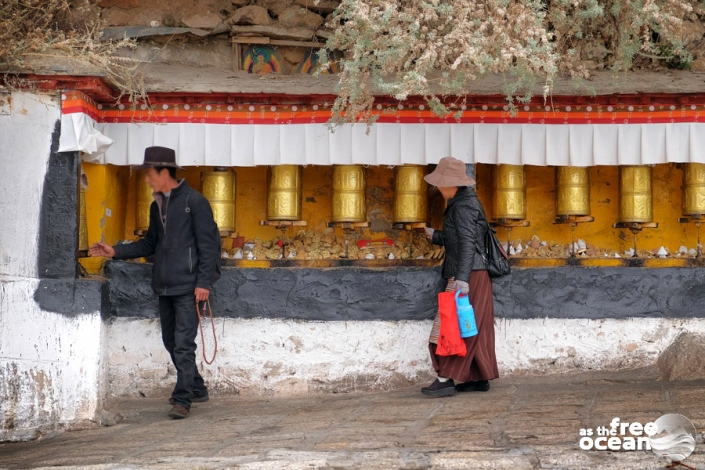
x,y
79,134
388,143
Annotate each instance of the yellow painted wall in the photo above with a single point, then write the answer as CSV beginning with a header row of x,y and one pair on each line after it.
x,y
114,188
105,207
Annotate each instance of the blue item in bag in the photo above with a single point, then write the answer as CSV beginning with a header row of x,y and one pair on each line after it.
x,y
466,316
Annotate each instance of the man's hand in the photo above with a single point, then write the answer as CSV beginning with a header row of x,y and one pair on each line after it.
x,y
201,294
101,249
429,233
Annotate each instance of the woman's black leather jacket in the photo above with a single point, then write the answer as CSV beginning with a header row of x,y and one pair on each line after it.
x,y
463,235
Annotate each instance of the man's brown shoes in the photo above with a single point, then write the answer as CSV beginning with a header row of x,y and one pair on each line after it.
x,y
178,412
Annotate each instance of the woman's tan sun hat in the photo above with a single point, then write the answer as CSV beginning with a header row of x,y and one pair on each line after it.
x,y
449,172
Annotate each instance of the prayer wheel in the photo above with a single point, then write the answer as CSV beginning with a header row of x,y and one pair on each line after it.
x,y
144,202
410,194
572,190
509,192
82,222
285,192
218,186
349,194
635,194
694,189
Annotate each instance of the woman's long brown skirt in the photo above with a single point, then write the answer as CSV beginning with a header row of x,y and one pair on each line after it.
x,y
480,362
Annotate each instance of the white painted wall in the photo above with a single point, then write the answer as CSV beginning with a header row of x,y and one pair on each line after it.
x,y
50,364
275,356
26,126
292,357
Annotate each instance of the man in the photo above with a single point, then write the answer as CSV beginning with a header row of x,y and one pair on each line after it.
x,y
186,243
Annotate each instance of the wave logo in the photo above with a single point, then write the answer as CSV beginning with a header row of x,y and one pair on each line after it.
x,y
675,438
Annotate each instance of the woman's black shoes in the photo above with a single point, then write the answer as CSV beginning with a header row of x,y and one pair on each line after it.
x,y
474,386
440,389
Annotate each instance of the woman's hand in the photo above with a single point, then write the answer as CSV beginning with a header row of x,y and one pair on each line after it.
x,y
462,286
429,233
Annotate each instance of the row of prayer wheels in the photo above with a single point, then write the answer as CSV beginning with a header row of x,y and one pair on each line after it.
x,y
285,194
573,192
285,191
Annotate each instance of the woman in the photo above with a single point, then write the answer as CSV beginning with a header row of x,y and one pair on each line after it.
x,y
465,268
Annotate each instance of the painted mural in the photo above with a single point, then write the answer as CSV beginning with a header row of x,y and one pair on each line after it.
x,y
262,60
311,63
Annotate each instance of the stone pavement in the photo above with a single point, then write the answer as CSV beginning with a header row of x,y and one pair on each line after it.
x,y
521,423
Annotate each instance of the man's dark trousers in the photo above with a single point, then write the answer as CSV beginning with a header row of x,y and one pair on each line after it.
x,y
179,328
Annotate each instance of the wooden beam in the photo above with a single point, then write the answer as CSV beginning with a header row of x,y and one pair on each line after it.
x,y
237,56
275,42
250,40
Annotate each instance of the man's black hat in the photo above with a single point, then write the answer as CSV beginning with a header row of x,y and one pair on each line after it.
x,y
158,156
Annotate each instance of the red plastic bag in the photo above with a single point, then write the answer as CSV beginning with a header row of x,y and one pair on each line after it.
x,y
449,341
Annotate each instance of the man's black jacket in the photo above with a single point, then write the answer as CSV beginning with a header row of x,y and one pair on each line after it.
x,y
186,247
463,236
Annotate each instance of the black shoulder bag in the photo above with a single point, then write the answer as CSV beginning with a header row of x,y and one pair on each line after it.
x,y
497,259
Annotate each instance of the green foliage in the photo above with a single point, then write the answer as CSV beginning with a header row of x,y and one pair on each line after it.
x,y
436,48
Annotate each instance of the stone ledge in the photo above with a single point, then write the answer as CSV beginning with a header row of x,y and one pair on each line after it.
x,y
409,293
73,296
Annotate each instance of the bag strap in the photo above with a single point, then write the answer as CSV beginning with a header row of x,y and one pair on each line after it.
x,y
193,224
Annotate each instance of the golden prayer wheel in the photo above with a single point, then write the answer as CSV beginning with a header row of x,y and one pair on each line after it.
x,y
349,194
285,192
635,195
572,190
82,223
694,189
145,199
410,194
509,192
218,186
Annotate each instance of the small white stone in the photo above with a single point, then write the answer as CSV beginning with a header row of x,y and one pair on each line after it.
x,y
292,254
238,254
250,255
512,251
682,250
419,257
629,252
369,256
154,24
391,256
225,255
616,255
581,244
662,253
692,252
544,244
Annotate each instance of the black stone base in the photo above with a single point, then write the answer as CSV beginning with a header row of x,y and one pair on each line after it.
x,y
400,293
409,293
73,296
